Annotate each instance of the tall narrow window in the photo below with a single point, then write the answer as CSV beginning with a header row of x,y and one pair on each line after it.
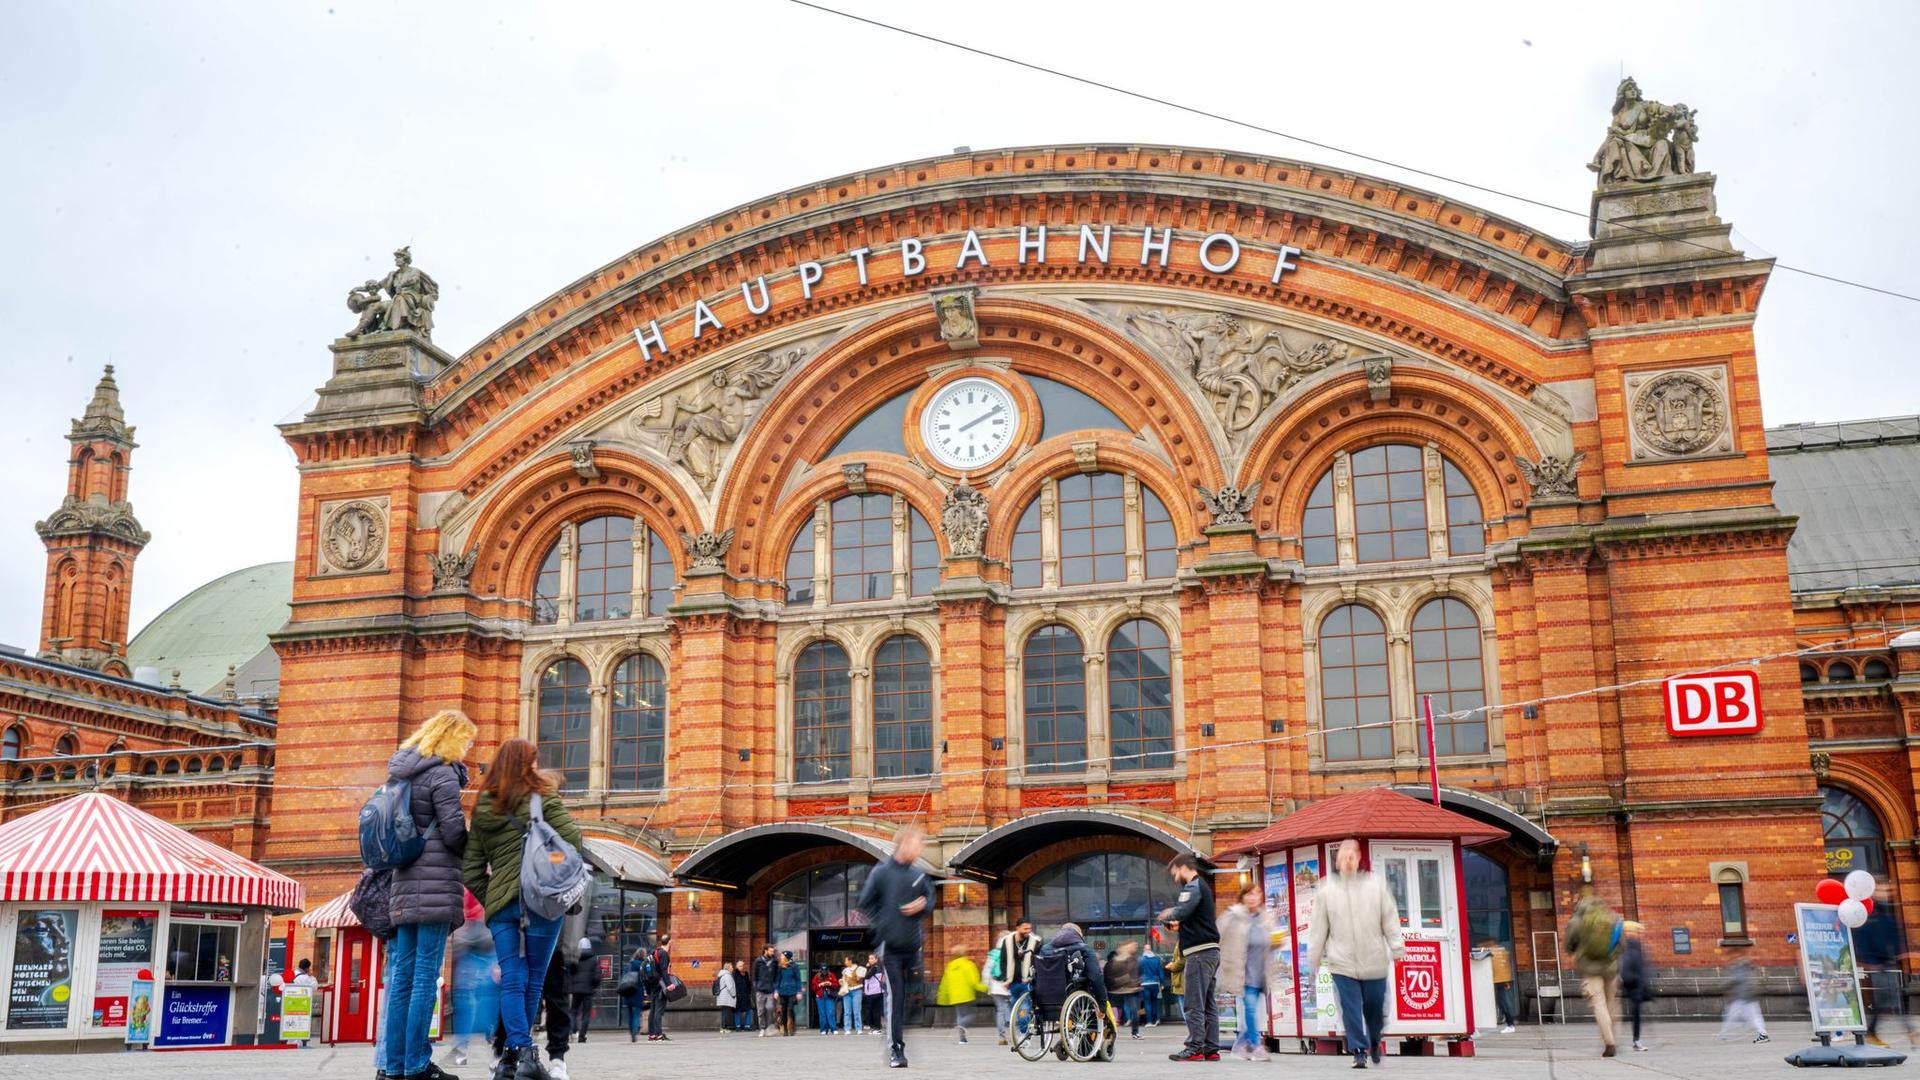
x,y
659,575
800,567
1466,535
1053,679
12,742
1093,529
637,760
1140,696
822,716
1446,665
902,708
546,589
603,569
1389,503
1733,904
862,548
565,722
925,554
1318,538
1156,525
1027,548
1354,704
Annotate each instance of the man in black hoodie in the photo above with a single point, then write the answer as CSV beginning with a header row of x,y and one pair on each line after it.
x,y
1200,947
896,899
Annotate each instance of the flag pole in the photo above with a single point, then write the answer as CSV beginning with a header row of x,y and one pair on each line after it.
x,y
1433,759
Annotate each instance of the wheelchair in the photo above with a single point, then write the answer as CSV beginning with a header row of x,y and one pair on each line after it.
x,y
1058,1015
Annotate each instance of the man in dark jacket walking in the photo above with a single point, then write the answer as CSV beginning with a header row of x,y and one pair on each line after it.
x,y
1200,949
583,978
896,899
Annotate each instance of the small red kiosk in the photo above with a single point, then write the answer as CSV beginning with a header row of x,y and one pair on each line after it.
x,y
354,979
1417,846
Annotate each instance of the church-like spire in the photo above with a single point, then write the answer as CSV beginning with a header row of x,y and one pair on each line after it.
x,y
104,419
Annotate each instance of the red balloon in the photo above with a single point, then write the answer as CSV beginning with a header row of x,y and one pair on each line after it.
x,y
1868,904
1830,891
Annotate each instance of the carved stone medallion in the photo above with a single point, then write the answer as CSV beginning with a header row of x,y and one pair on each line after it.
x,y
1679,413
963,517
353,536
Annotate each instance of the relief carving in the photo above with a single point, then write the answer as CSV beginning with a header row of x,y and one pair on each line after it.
x,y
1240,369
963,517
958,327
1552,477
451,571
697,424
706,549
353,536
1679,413
1229,505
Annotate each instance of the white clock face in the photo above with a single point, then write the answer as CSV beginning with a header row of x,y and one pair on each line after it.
x,y
970,423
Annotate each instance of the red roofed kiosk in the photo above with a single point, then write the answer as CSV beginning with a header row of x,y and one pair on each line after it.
x,y
98,898
1417,846
353,979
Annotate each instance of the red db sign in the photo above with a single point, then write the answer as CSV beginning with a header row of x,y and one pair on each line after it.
x,y
1717,703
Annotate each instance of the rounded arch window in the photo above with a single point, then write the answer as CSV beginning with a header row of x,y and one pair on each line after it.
x,y
150,768
1840,671
13,743
193,765
1355,706
92,770
171,768
1854,838
1140,696
216,764
603,557
1094,533
66,746
1102,890
638,761
822,714
859,547
902,708
1386,513
1446,666
26,776
1876,671
564,711
1809,673
1053,689
68,772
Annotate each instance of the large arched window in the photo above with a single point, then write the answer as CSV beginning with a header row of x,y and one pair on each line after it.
x,y
1053,679
1092,536
1384,513
565,722
637,760
602,557
902,708
13,743
1446,665
859,551
1854,838
65,746
1355,709
1140,696
1101,891
822,717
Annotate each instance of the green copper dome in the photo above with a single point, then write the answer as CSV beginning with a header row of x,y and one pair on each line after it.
x,y
224,622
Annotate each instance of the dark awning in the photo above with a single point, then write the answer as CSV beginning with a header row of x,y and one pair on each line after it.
x,y
994,852
736,858
1526,832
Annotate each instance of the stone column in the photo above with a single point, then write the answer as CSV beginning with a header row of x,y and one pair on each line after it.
x,y
967,711
1232,575
1409,730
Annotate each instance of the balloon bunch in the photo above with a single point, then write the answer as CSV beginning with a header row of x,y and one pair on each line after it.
x,y
1854,897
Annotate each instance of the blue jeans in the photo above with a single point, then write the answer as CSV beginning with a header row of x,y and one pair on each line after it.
x,y
635,1010
1250,1014
413,995
476,999
521,977
1150,999
827,1009
850,1010
1014,992
1363,1011
380,1022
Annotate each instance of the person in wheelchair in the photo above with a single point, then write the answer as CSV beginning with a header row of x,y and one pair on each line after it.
x,y
1083,970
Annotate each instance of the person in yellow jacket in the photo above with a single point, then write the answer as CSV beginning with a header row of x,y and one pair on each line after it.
x,y
960,985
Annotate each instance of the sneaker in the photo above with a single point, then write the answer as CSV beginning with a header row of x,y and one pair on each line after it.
x,y
455,1057
1213,1055
1260,1053
1242,1053
1638,1045
434,1072
1506,1029
530,1067
1360,1060
1762,1037
557,1068
1186,1055
897,1059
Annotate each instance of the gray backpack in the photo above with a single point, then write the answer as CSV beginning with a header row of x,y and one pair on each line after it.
x,y
553,876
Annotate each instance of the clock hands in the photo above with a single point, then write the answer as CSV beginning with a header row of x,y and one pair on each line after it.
x,y
982,417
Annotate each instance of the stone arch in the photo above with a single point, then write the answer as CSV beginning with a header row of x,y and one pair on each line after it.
x,y
521,521
922,629
793,511
1315,607
1473,431
1163,613
1022,623
788,652
1054,459
833,391
1888,805
1469,591
653,645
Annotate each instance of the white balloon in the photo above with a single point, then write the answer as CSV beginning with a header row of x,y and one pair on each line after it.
x,y
1859,885
1853,913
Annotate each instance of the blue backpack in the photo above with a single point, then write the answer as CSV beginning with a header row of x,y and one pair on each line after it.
x,y
389,837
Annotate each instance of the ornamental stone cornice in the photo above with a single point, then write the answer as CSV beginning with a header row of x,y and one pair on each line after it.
x,y
87,517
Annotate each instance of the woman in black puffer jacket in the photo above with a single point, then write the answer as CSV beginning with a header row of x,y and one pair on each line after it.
x,y
428,900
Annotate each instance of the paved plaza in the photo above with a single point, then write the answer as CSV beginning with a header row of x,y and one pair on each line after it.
x,y
1562,1053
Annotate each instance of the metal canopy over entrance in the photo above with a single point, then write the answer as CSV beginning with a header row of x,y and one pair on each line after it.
x,y
993,852
734,859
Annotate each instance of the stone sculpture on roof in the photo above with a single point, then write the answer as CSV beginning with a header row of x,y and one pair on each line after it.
x,y
408,305
1645,140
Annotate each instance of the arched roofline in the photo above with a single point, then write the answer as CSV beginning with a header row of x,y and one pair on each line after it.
x,y
733,860
990,854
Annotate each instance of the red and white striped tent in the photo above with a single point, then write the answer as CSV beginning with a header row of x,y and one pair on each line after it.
x,y
334,913
95,847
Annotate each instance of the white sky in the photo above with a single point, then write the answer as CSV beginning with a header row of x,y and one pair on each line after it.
x,y
187,190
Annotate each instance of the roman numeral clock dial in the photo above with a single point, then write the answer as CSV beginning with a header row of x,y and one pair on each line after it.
x,y
970,423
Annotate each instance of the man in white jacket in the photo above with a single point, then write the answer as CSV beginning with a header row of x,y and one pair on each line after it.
x,y
1355,929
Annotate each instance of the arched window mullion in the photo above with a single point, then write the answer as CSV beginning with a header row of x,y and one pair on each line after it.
x,y
1053,674
1446,642
637,726
1355,702
822,714
563,714
1139,697
902,708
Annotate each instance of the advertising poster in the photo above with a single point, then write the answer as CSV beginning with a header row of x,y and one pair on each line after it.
x,y
1319,1006
126,950
140,1011
1826,964
194,1016
1419,993
296,1012
1280,1001
40,993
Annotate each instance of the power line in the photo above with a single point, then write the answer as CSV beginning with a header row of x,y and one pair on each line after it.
x,y
1318,144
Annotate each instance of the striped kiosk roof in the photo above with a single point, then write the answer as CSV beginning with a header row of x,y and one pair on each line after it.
x,y
334,913
95,847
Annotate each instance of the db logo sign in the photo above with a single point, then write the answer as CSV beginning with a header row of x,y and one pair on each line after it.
x,y
1717,703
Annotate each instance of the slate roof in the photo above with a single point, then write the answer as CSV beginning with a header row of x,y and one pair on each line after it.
x,y
1855,487
1372,814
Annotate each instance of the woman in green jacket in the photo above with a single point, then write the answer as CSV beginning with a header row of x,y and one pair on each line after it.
x,y
522,941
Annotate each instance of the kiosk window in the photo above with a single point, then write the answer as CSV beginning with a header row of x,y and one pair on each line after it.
x,y
201,952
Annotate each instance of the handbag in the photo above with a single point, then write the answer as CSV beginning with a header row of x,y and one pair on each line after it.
x,y
629,983
672,988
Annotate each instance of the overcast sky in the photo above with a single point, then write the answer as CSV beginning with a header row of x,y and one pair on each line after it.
x,y
187,190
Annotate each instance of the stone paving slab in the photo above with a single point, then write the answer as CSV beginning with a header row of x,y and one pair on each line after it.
x,y
1570,1052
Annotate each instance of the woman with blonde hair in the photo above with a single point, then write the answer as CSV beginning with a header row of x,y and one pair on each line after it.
x,y
522,941
427,900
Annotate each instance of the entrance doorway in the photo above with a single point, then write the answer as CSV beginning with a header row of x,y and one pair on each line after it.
x,y
357,986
